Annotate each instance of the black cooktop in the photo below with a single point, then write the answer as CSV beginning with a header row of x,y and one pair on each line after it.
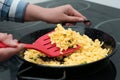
x,y
102,17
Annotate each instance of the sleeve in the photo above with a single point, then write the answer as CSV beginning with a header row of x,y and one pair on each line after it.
x,y
12,10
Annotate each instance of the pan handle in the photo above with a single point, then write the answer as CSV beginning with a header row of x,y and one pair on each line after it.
x,y
87,23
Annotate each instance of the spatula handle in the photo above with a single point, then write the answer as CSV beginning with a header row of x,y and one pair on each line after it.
x,y
2,45
30,46
27,46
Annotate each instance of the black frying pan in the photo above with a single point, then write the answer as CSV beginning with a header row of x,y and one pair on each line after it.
x,y
109,42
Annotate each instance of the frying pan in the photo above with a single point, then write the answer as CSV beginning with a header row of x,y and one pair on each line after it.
x,y
109,42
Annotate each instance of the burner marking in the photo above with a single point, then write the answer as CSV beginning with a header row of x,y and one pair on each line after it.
x,y
70,2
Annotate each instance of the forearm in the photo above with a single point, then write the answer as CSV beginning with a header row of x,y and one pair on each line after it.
x,y
19,11
34,13
61,14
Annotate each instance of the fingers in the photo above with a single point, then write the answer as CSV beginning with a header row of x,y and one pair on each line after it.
x,y
12,43
74,19
12,49
71,20
72,16
6,53
8,39
75,12
2,36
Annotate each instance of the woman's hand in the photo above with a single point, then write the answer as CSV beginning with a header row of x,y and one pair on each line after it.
x,y
14,47
62,14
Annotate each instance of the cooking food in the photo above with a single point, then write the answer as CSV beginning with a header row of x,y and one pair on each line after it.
x,y
64,39
88,52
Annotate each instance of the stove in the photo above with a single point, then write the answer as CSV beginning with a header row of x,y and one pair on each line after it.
x,y
102,17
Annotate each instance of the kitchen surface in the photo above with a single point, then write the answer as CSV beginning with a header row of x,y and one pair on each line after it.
x,y
104,15
111,3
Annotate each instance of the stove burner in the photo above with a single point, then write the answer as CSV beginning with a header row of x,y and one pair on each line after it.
x,y
30,73
78,5
111,26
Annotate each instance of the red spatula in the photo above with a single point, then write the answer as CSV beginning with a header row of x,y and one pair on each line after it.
x,y
43,44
